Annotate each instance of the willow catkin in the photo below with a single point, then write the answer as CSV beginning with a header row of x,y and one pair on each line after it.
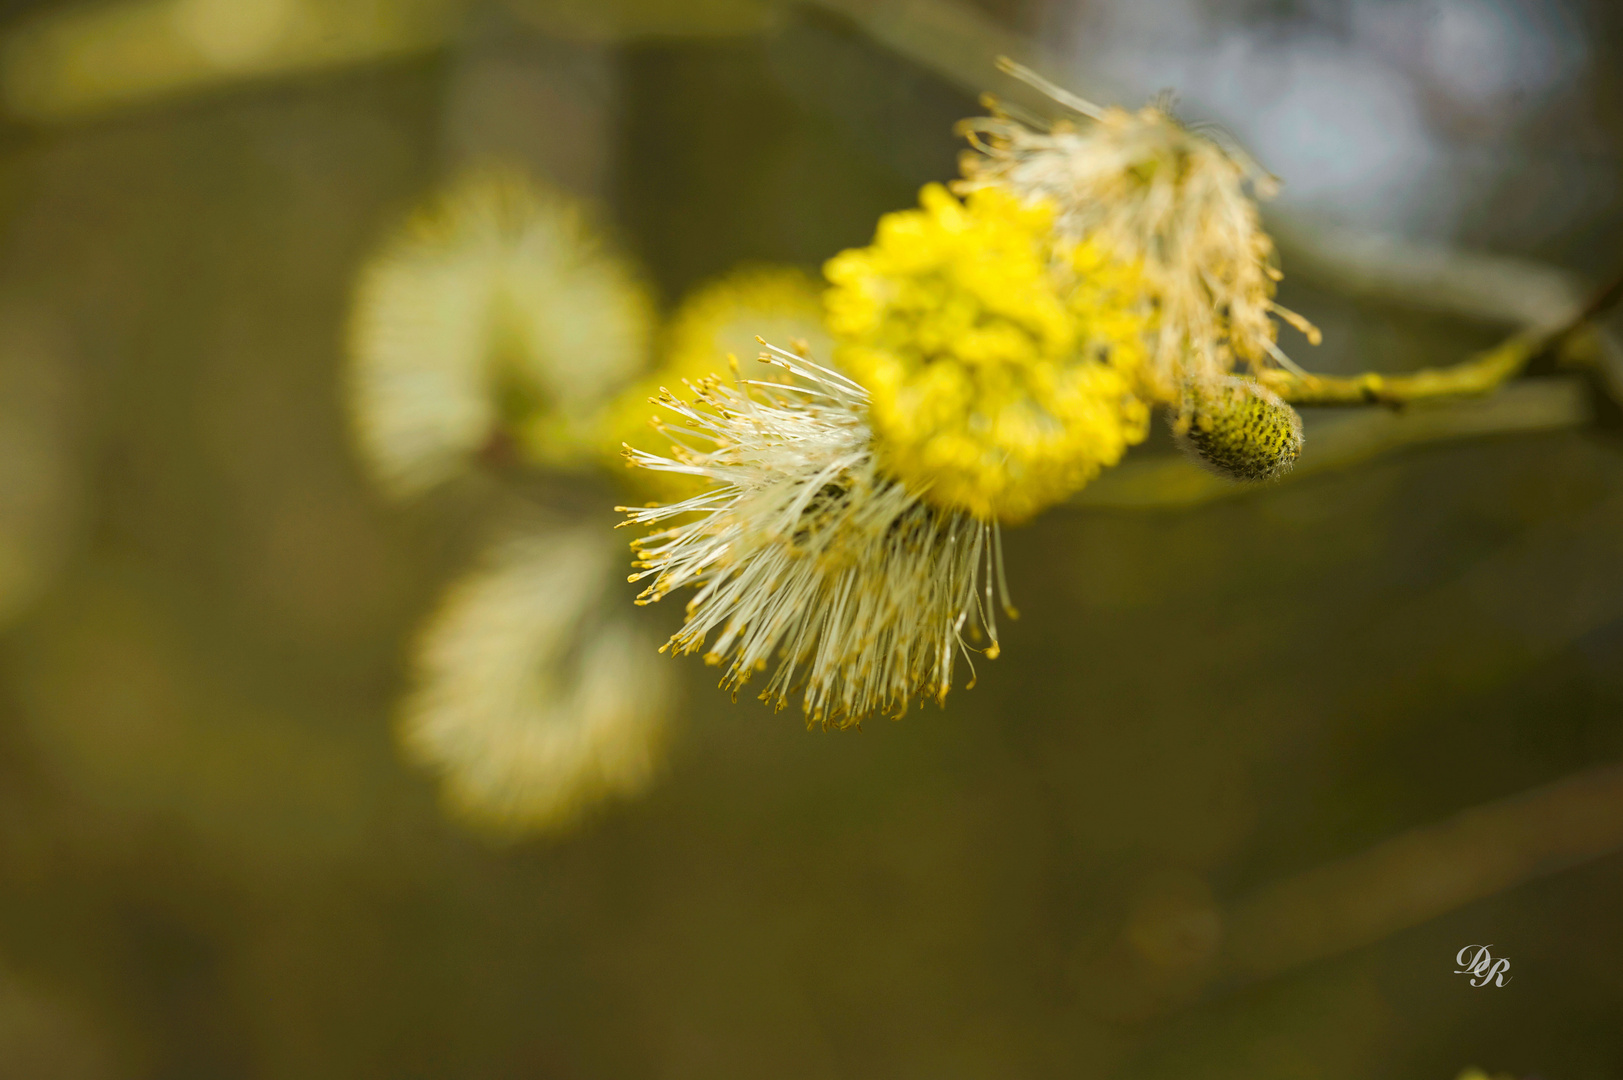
x,y
1239,429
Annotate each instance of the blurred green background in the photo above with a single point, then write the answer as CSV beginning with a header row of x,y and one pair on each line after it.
x,y
214,862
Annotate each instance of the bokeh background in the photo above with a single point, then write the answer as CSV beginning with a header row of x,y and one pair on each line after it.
x,y
216,862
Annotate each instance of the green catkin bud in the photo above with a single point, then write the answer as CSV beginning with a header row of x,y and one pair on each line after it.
x,y
1239,429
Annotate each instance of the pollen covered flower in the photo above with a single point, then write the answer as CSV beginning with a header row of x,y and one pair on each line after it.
x,y
728,316
1002,364
719,319
496,312
805,556
1162,197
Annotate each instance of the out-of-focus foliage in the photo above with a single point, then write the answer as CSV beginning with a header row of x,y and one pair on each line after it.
x,y
41,1037
40,470
215,863
87,58
649,18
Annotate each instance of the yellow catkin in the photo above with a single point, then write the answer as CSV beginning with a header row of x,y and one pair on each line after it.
x,y
1172,201
1001,363
1239,429
721,318
807,560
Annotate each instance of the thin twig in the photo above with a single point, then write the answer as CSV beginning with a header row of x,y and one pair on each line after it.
x,y
1179,944
1338,441
1423,873
1472,378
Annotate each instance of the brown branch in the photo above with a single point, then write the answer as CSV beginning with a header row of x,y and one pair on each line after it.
x,y
1424,873
1177,943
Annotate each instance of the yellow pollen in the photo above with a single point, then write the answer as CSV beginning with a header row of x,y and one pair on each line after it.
x,y
713,325
1002,363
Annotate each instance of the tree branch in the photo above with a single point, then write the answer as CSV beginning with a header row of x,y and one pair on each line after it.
x,y
1338,440
1423,873
1179,944
1473,378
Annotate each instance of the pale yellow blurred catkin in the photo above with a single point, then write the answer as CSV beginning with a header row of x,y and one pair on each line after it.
x,y
498,317
536,695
